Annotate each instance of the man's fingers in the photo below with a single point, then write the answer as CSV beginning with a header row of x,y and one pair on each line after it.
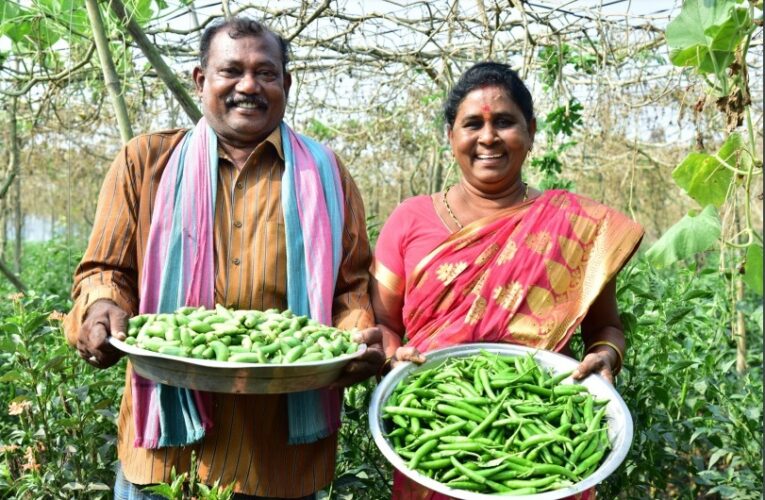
x,y
117,323
87,342
97,336
355,372
93,343
96,339
374,358
361,368
84,354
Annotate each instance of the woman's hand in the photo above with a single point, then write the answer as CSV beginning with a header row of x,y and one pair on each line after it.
x,y
601,362
407,353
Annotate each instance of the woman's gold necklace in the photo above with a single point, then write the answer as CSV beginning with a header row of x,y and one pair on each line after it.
x,y
454,218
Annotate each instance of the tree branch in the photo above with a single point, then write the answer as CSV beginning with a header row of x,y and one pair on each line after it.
x,y
21,287
163,70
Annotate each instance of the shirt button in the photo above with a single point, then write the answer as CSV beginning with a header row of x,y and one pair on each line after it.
x,y
236,261
237,224
240,185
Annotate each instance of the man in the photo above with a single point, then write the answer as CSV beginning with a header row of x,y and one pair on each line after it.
x,y
243,84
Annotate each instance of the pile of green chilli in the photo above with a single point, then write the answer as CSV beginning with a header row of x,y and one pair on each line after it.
x,y
222,334
491,423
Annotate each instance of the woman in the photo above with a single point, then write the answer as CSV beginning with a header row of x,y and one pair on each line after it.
x,y
491,259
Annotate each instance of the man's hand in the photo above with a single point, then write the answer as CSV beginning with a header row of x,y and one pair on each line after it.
x,y
104,318
367,364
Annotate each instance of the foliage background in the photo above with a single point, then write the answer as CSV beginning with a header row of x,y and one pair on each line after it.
x,y
616,119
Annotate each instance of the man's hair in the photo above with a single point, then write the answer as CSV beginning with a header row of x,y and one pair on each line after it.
x,y
484,74
240,27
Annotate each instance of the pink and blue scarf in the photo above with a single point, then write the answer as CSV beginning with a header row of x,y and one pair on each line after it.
x,y
179,271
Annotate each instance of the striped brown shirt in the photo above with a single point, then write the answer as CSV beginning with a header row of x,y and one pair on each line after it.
x,y
247,445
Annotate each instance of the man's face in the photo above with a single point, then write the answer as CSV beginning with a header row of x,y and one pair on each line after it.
x,y
243,88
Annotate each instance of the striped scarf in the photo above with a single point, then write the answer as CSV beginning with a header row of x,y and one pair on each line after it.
x,y
179,271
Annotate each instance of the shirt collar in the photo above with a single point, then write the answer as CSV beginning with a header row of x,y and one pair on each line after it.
x,y
274,138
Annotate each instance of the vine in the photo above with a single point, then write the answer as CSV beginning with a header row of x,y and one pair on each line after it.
x,y
713,38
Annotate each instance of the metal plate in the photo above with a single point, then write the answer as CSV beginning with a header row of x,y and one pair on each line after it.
x,y
617,414
238,378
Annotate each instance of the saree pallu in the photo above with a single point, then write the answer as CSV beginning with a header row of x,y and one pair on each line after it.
x,y
526,275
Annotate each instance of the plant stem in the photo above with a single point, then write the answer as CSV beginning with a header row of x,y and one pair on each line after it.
x,y
740,330
110,73
750,174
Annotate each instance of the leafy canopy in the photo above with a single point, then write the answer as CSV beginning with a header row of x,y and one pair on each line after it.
x,y
706,33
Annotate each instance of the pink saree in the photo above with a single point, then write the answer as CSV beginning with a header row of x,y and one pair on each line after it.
x,y
526,275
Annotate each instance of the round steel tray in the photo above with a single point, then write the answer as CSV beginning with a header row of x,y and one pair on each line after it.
x,y
617,414
239,378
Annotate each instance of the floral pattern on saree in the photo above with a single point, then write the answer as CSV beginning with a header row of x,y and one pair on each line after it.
x,y
526,275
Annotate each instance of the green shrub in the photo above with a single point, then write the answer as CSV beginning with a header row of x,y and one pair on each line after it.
x,y
58,432
698,424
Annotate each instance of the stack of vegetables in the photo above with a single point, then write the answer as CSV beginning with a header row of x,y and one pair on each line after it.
x,y
245,336
496,424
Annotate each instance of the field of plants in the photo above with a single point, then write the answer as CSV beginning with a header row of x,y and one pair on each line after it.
x,y
655,109
698,422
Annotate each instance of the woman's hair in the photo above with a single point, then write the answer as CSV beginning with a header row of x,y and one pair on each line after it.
x,y
240,27
484,74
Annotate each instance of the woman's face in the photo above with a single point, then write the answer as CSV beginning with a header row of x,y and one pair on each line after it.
x,y
490,139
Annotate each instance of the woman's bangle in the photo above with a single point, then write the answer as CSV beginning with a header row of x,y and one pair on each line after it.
x,y
619,354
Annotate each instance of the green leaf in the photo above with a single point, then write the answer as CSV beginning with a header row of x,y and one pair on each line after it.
x,y
735,153
629,322
689,236
677,314
14,21
141,9
7,345
717,455
684,364
698,293
565,118
71,15
705,34
54,363
11,376
34,322
753,267
703,178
